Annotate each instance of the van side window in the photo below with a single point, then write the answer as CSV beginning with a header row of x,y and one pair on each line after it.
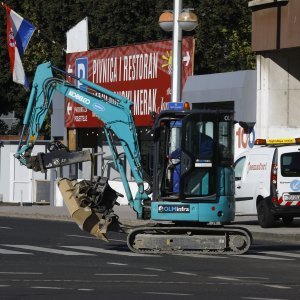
x,y
239,167
290,164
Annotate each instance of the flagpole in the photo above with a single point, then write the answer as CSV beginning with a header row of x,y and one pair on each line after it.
x,y
4,5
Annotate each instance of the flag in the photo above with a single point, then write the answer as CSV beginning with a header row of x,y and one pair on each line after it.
x,y
78,37
19,32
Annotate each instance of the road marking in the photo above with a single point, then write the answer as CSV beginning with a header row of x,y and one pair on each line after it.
x,y
155,269
94,238
122,274
49,287
49,250
185,273
115,240
82,236
125,280
254,298
3,227
172,294
226,278
117,264
262,257
249,277
5,251
100,250
200,255
4,285
285,254
22,273
277,286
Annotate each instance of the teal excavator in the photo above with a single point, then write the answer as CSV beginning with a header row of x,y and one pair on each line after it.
x,y
191,194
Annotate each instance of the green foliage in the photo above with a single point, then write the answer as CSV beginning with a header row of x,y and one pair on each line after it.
x,y
15,129
3,127
222,37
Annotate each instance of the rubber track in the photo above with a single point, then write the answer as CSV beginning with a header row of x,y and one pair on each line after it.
x,y
203,230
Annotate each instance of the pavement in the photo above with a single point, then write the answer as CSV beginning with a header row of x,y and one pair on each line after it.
x,y
127,216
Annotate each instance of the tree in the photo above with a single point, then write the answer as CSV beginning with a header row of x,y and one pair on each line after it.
x,y
15,129
3,127
222,37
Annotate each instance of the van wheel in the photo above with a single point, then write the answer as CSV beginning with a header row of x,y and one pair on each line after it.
x,y
264,216
287,220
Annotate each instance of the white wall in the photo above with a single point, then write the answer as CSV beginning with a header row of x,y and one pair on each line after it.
x,y
278,94
278,99
16,181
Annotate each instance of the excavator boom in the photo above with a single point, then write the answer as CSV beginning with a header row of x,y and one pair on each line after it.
x,y
89,203
113,109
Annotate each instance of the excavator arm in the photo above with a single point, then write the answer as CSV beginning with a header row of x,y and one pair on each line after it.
x,y
115,112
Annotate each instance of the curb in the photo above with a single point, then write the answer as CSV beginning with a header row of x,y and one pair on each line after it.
x,y
37,216
64,218
273,237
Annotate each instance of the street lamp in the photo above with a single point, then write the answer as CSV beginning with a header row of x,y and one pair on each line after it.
x,y
166,20
177,21
188,21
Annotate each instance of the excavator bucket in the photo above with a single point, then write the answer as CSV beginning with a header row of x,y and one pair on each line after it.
x,y
90,204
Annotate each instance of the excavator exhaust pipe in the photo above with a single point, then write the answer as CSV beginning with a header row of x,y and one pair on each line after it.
x,y
90,204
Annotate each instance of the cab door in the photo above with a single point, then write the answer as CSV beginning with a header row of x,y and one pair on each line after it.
x,y
198,157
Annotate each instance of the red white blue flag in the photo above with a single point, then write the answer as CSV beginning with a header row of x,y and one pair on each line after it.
x,y
19,32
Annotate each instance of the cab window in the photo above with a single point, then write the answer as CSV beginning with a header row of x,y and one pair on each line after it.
x,y
199,138
199,143
225,143
290,164
239,167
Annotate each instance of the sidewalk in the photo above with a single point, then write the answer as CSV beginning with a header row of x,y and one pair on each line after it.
x,y
127,216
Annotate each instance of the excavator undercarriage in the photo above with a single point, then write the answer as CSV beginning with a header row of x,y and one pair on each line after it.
x,y
189,240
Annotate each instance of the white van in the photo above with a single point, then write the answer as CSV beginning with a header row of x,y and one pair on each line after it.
x,y
267,181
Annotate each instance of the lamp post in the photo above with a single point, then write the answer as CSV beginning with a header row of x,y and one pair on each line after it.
x,y
177,21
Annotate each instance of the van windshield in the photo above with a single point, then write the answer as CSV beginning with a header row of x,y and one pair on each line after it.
x,y
290,164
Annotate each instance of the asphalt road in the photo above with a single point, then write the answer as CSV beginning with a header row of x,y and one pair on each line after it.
x,y
54,260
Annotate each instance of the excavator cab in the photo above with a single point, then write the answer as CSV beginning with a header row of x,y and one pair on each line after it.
x,y
193,186
193,152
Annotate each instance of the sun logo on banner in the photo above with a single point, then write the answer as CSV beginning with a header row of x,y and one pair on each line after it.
x,y
12,41
168,59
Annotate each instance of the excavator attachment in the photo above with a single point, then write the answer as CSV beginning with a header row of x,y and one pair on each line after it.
x,y
90,204
58,156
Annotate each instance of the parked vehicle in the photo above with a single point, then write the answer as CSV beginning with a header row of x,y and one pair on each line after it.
x,y
267,181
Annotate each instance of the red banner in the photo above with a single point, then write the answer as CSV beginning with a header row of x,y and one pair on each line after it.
x,y
140,72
